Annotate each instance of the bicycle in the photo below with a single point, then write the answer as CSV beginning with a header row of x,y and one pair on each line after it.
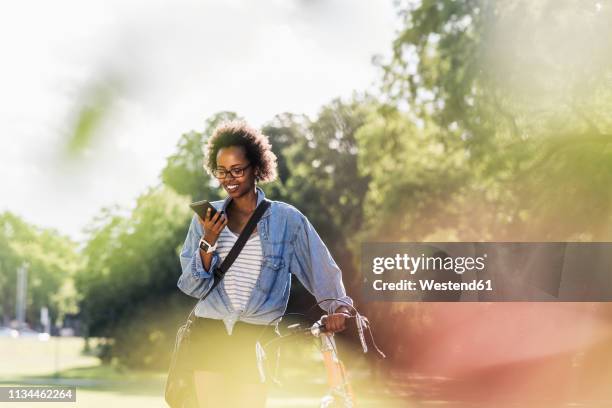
x,y
340,392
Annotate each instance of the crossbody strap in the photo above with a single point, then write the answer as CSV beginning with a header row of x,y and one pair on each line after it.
x,y
219,272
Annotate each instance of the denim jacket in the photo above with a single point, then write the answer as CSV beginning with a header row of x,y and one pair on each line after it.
x,y
290,245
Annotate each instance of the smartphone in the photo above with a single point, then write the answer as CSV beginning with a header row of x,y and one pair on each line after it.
x,y
200,208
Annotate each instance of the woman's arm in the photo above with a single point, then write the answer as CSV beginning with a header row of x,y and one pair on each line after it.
x,y
314,266
195,279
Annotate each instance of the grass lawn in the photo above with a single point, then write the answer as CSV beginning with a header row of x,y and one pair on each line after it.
x,y
31,357
61,361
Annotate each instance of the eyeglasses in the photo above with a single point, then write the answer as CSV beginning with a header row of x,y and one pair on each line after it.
x,y
235,172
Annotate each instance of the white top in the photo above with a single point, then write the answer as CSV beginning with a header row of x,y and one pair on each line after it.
x,y
241,277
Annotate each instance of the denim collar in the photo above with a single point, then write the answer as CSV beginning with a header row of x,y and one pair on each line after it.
x,y
260,198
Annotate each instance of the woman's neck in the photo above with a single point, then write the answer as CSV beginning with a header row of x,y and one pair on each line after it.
x,y
245,204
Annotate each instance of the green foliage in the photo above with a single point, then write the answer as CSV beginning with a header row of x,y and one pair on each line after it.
x,y
131,267
50,260
497,128
284,131
144,337
520,90
318,170
323,179
184,171
324,182
414,178
93,109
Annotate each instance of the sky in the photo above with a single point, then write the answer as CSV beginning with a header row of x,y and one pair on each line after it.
x,y
178,63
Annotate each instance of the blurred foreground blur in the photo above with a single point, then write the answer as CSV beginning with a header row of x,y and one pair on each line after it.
x,y
536,355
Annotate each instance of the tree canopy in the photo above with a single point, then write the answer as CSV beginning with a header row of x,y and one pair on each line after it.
x,y
51,262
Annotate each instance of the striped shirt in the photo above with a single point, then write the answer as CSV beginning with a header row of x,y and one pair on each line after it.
x,y
241,277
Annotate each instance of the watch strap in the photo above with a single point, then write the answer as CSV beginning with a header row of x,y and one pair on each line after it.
x,y
206,246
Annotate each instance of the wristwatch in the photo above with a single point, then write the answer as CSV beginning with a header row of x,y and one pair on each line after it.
x,y
206,247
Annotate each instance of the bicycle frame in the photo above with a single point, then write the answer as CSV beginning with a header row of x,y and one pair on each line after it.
x,y
340,390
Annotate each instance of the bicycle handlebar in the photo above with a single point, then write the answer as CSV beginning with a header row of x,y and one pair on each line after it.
x,y
317,330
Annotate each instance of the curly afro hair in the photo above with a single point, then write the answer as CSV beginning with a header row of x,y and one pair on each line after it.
x,y
256,144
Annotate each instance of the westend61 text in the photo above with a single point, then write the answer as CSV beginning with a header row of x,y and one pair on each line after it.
x,y
429,284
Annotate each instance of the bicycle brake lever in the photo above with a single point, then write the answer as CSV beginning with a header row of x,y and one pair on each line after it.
x,y
361,324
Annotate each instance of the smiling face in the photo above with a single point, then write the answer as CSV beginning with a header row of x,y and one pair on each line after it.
x,y
234,157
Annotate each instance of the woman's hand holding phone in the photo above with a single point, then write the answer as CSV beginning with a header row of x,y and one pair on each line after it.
x,y
212,225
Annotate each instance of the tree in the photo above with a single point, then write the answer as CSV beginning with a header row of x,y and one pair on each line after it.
x,y
184,171
128,283
522,91
51,262
496,127
323,183
415,181
284,131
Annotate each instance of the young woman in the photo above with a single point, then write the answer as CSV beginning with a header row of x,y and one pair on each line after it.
x,y
255,289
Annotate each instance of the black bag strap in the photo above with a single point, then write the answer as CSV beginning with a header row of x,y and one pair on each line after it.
x,y
220,271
